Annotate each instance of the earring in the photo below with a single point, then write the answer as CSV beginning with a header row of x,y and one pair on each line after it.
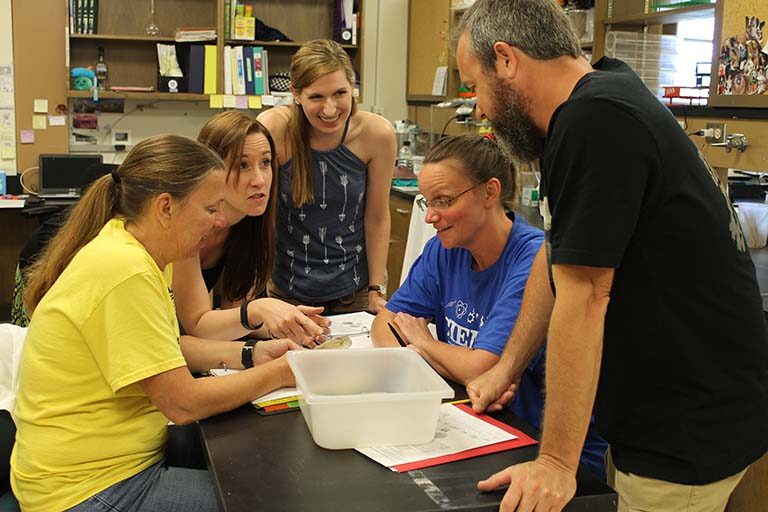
x,y
298,102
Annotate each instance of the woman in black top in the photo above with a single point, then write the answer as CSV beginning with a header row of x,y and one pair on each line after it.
x,y
240,247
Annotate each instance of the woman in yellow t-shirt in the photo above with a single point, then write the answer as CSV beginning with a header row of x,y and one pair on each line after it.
x,y
104,367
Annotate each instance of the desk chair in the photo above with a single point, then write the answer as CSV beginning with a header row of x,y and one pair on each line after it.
x,y
11,343
8,502
29,253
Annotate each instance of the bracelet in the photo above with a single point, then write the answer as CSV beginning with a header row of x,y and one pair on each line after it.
x,y
244,317
246,356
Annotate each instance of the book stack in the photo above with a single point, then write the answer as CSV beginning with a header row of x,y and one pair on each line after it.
x,y
198,64
83,16
246,70
194,34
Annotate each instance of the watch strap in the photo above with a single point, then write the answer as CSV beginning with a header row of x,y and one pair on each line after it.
x,y
246,356
244,317
376,288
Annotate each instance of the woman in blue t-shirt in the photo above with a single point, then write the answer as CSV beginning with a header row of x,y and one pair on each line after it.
x,y
471,276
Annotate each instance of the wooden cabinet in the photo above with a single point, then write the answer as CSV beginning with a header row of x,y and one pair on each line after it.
x,y
400,212
429,26
131,56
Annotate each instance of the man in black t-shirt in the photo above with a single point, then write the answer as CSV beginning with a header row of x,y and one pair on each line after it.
x,y
656,319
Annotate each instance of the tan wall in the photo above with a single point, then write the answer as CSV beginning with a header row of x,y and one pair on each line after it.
x,y
755,158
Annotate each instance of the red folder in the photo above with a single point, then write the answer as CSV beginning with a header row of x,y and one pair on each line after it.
x,y
522,440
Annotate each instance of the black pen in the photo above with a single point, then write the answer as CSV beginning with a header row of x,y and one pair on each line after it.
x,y
397,336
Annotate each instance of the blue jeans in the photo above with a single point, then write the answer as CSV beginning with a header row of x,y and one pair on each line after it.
x,y
156,489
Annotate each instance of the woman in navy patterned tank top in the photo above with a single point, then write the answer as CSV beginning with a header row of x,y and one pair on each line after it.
x,y
336,168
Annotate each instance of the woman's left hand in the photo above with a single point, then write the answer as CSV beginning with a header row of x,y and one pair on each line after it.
x,y
415,329
376,302
268,350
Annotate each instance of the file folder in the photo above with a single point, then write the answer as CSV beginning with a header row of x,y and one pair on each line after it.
x,y
209,81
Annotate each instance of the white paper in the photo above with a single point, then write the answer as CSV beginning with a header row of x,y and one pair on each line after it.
x,y
439,84
457,431
272,395
57,120
348,7
351,323
11,203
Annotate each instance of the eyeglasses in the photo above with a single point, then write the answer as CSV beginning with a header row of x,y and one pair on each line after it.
x,y
441,203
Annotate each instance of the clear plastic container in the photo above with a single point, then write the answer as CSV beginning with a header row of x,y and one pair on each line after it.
x,y
368,397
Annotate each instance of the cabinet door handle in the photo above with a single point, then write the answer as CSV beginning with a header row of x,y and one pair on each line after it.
x,y
402,211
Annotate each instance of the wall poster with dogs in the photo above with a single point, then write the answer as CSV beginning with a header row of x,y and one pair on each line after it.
x,y
740,54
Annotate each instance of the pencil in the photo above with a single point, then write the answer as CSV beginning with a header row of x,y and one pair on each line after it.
x,y
397,336
459,402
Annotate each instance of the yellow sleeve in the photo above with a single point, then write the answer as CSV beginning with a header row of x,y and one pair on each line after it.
x,y
133,333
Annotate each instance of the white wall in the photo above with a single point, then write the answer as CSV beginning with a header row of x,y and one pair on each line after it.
x,y
386,53
7,112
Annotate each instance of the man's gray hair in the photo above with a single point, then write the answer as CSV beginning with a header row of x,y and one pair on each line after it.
x,y
537,27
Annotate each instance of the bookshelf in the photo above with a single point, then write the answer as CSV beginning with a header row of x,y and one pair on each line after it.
x,y
132,58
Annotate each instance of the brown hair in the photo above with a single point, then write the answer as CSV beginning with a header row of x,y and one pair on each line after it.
x,y
162,163
481,158
249,249
313,60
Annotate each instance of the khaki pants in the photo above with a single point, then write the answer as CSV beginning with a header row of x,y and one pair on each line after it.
x,y
357,301
642,494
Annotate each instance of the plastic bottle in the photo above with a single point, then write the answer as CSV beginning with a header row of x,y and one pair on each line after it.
x,y
530,189
101,71
405,157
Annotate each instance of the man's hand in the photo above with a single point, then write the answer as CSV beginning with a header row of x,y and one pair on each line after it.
x,y
493,390
543,484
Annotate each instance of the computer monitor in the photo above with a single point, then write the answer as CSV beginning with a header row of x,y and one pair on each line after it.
x,y
67,175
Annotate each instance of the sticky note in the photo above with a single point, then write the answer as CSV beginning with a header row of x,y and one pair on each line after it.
x,y
254,102
41,106
241,101
27,136
39,122
215,101
229,101
8,153
57,120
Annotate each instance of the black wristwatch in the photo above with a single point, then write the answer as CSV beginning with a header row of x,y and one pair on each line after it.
x,y
244,317
377,288
246,356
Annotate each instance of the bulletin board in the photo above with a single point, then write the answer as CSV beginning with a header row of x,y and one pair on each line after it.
x,y
740,56
40,73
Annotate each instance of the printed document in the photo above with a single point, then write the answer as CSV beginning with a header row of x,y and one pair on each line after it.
x,y
457,431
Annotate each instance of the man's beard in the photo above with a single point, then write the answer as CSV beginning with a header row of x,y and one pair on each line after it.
x,y
513,125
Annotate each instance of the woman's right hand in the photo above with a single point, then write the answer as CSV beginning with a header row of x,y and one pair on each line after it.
x,y
302,324
269,350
